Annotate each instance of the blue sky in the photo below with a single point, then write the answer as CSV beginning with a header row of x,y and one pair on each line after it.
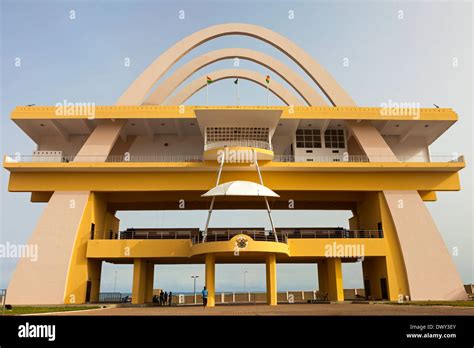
x,y
399,51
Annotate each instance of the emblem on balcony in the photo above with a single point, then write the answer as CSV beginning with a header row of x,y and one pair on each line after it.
x,y
241,242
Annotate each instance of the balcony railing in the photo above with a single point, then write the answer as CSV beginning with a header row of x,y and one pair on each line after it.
x,y
98,158
257,234
222,235
243,143
329,233
365,159
198,158
159,233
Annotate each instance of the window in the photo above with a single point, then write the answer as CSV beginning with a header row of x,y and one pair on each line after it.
x,y
218,134
334,139
308,138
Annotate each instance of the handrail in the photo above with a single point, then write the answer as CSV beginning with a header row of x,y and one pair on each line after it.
x,y
322,233
197,158
158,234
365,159
219,235
98,158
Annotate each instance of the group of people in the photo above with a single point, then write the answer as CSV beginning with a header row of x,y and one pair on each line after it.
x,y
163,299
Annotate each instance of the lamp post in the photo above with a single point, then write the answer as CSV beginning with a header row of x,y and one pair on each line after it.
x,y
115,281
245,288
194,279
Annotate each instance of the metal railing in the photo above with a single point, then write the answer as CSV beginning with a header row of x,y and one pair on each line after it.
x,y
365,159
257,234
336,233
222,235
158,234
197,158
244,143
110,297
98,158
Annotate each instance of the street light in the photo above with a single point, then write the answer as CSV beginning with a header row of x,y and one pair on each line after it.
x,y
194,278
245,289
115,282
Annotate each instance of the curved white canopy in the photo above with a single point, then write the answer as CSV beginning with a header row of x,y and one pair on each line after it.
x,y
240,188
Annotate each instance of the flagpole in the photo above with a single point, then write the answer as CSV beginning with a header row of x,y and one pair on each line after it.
x,y
268,85
238,95
207,93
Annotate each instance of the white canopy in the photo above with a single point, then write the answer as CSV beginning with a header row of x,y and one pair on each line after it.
x,y
240,188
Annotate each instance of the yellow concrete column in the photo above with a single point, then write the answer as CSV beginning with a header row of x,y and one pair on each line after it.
x,y
150,275
323,277
210,279
139,281
370,212
270,262
335,289
94,270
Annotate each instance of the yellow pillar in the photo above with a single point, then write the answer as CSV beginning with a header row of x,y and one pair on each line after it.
x,y
210,279
139,281
335,289
270,262
323,277
150,275
94,268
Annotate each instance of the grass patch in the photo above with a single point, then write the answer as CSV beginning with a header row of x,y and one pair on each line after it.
x,y
18,310
437,303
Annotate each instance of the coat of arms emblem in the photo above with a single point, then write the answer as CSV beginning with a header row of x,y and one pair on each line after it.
x,y
241,242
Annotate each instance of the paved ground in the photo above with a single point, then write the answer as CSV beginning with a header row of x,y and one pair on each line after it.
x,y
285,309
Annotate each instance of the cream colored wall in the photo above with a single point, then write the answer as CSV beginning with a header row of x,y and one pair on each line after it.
x,y
186,145
430,270
44,281
353,147
282,144
410,147
101,141
58,143
370,140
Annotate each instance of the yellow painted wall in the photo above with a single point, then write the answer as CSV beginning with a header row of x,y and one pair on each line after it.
x,y
317,247
112,223
370,211
138,248
182,249
373,269
398,281
194,180
79,270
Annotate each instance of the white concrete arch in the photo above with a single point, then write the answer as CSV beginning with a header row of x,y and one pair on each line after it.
x,y
194,86
138,90
168,86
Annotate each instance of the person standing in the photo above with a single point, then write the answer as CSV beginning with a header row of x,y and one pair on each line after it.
x,y
170,297
204,297
165,302
161,297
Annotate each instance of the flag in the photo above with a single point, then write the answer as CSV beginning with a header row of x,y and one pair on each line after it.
x,y
236,81
267,79
209,80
